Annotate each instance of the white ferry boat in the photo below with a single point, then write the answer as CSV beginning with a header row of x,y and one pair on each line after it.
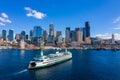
x,y
51,59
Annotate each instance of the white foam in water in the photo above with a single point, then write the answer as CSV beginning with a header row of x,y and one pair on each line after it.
x,y
20,72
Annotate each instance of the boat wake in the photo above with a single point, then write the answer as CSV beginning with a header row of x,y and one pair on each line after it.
x,y
20,72
14,74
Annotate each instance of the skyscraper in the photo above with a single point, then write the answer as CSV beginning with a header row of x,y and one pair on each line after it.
x,y
45,35
76,30
23,33
51,30
67,34
84,33
4,34
58,33
31,34
51,35
18,37
59,42
72,35
37,35
26,36
11,35
113,39
37,32
87,27
78,35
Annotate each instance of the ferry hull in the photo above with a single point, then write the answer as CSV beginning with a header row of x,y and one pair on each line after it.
x,y
48,65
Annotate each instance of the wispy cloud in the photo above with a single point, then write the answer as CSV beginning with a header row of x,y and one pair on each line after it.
x,y
4,19
117,36
104,36
117,20
34,13
2,24
108,36
116,23
117,28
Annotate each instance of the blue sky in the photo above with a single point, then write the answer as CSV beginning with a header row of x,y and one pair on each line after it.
x,y
103,15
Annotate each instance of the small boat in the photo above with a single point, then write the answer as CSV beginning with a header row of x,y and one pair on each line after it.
x,y
51,59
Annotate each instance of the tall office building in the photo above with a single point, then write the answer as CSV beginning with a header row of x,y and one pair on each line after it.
x,y
84,33
37,32
37,35
58,33
79,35
26,36
113,39
51,35
18,37
59,42
31,35
72,35
4,34
51,30
67,34
76,30
87,27
11,35
45,35
23,35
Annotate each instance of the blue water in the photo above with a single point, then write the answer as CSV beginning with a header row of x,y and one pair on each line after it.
x,y
85,65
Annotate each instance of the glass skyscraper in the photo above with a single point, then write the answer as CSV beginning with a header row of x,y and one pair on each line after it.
x,y
4,34
72,35
51,35
37,32
51,30
45,35
31,34
87,27
11,35
67,34
37,35
23,34
84,33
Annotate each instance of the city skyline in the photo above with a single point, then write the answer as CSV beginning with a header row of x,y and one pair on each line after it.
x,y
103,15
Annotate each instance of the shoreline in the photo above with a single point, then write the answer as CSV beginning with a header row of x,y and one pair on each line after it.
x,y
82,47
61,49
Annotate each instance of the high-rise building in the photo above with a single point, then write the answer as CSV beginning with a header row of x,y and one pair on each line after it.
x,y
23,35
26,36
76,30
51,35
67,34
51,30
113,39
4,34
58,33
72,36
87,27
79,36
11,35
31,34
18,37
45,35
59,42
37,32
37,35
84,33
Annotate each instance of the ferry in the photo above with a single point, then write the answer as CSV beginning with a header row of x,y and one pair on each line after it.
x,y
51,59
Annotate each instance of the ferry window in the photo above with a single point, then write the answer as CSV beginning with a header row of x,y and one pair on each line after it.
x,y
41,60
